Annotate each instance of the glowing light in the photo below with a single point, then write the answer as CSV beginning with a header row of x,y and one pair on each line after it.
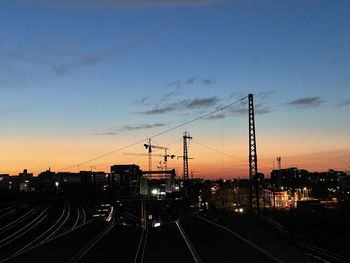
x,y
109,218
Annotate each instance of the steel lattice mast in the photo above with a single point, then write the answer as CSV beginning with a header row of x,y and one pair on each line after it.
x,y
186,137
253,160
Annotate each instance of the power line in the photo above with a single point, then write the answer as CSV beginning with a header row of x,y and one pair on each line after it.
x,y
103,155
220,152
178,140
156,135
223,153
198,118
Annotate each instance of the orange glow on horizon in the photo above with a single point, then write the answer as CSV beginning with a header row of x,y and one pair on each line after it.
x,y
40,154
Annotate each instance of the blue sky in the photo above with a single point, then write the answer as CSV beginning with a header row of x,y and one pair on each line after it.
x,y
70,70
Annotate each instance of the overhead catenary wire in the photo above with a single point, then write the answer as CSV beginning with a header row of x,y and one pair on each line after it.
x,y
220,152
100,166
229,155
155,135
177,140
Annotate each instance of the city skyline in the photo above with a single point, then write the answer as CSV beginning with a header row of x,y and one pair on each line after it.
x,y
81,80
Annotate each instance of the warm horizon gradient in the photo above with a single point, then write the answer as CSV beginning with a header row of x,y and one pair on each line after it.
x,y
79,79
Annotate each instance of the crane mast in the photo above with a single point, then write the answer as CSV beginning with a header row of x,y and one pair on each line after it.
x,y
149,147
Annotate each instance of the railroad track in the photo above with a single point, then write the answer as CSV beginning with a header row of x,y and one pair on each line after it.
x,y
38,224
311,250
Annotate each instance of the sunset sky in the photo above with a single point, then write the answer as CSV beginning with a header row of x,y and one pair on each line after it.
x,y
79,79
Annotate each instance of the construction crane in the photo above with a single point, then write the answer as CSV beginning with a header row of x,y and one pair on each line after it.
x,y
157,155
150,146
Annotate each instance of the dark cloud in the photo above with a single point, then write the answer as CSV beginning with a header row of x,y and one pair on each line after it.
x,y
59,61
159,110
199,103
140,127
105,133
208,81
263,110
240,110
176,89
172,93
345,103
216,116
60,70
26,58
122,3
92,58
142,101
65,58
64,66
306,102
233,95
260,96
85,60
264,94
190,81
183,105
135,127
175,83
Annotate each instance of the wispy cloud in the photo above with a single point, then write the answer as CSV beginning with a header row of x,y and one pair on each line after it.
x,y
136,127
140,126
216,116
175,84
190,81
142,101
159,110
306,102
105,133
59,61
344,103
81,61
208,81
243,110
66,58
200,102
265,94
233,95
260,109
7,112
183,105
171,94
123,3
